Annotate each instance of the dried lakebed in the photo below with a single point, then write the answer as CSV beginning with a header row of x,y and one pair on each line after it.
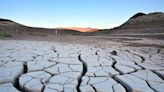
x,y
40,66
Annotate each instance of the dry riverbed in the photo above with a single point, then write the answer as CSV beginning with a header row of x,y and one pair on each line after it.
x,y
81,64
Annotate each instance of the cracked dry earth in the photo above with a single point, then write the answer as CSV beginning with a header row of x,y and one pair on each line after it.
x,y
40,66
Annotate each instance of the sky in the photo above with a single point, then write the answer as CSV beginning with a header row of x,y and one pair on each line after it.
x,y
76,13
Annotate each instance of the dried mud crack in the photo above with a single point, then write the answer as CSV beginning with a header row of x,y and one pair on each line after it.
x,y
82,74
17,85
30,66
25,68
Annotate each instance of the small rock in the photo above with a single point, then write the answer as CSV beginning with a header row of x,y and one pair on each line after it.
x,y
114,53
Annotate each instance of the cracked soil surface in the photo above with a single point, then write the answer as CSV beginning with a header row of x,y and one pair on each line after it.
x,y
42,66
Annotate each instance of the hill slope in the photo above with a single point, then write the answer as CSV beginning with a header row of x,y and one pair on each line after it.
x,y
140,25
141,20
16,28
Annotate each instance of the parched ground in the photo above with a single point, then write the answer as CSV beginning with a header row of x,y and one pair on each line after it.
x,y
82,64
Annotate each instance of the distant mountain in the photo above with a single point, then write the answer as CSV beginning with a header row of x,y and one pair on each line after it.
x,y
142,20
81,29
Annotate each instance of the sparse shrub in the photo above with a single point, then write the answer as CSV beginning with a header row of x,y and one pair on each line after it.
x,y
19,32
3,34
31,34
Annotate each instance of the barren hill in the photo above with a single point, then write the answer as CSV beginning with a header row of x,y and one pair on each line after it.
x,y
13,28
141,20
140,25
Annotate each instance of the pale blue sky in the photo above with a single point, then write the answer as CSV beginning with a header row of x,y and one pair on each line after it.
x,y
79,13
